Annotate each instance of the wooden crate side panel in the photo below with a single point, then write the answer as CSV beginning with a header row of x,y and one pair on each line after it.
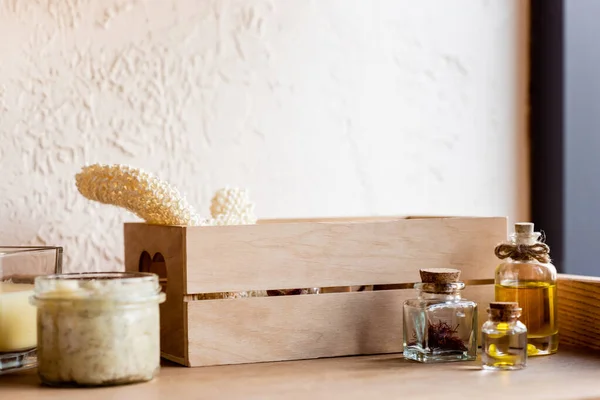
x,y
302,327
282,256
579,311
168,241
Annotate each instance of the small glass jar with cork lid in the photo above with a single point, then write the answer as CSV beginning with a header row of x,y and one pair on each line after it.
x,y
504,338
439,325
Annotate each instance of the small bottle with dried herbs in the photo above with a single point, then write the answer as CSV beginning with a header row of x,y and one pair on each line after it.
x,y
440,325
504,338
528,278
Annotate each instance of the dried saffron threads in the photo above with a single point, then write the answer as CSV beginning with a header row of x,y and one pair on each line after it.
x,y
442,336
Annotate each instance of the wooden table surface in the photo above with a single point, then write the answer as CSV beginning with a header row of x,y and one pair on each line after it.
x,y
570,374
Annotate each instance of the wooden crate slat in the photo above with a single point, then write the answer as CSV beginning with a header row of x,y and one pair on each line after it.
x,y
301,327
313,254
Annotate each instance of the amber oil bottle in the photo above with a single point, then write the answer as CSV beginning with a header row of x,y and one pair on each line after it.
x,y
527,277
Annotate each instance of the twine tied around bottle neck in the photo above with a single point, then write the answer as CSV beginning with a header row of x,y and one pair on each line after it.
x,y
522,252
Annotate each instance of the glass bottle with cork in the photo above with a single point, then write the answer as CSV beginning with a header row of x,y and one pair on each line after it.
x,y
504,338
440,325
528,278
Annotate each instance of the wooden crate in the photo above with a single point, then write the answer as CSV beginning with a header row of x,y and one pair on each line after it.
x,y
287,254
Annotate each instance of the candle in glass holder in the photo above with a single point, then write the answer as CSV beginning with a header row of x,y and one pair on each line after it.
x,y
18,330
19,266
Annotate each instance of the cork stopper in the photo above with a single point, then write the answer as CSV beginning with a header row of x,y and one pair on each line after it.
x,y
439,275
524,228
504,305
503,311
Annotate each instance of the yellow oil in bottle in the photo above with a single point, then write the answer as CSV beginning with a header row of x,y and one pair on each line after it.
x,y
538,301
501,351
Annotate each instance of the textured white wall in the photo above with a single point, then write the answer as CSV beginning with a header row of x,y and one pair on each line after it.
x,y
320,108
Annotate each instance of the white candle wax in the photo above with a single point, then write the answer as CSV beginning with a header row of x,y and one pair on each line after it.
x,y
18,330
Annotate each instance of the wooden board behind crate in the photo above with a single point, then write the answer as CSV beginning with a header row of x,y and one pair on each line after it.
x,y
579,311
298,254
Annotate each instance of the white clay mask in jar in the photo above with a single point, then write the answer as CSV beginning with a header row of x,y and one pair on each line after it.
x,y
98,329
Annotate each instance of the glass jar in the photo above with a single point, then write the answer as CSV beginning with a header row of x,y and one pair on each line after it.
x,y
19,266
439,325
504,338
524,279
97,329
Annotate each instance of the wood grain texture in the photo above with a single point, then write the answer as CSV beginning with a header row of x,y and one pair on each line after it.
x,y
329,219
568,375
579,311
302,327
333,254
168,241
376,218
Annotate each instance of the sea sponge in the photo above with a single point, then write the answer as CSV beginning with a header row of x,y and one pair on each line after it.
x,y
140,192
231,206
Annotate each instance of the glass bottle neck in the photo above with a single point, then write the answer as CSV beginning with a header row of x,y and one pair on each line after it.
x,y
528,239
504,324
442,292
503,316
455,296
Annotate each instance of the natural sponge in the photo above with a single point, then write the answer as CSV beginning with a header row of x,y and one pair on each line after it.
x,y
232,206
138,191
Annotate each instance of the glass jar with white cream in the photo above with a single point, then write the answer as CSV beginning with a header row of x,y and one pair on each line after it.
x,y
98,329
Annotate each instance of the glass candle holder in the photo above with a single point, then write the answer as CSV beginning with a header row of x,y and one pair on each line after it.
x,y
19,266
